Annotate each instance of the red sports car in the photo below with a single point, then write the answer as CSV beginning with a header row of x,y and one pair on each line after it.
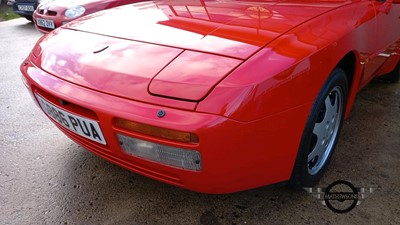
x,y
215,96
51,14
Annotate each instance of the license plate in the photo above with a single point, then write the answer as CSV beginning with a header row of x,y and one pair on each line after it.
x,y
84,127
25,8
45,23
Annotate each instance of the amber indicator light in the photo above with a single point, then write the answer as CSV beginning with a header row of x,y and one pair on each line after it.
x,y
157,131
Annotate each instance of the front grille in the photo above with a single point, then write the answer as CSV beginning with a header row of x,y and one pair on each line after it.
x,y
47,12
51,13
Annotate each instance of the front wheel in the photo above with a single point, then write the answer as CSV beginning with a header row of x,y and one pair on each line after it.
x,y
321,132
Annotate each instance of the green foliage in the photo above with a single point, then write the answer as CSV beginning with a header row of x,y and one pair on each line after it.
x,y
6,13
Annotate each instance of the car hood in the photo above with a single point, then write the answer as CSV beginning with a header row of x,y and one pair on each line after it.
x,y
232,28
167,49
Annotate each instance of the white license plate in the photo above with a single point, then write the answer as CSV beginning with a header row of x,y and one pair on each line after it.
x,y
87,128
45,23
26,8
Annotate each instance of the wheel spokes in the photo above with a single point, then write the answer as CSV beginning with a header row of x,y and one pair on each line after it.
x,y
325,130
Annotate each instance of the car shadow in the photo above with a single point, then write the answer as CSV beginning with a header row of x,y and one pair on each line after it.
x,y
28,25
107,190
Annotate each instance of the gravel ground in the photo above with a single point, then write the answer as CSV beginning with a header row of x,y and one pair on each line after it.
x,y
45,178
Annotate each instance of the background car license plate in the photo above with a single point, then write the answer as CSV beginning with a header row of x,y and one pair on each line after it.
x,y
45,23
87,128
26,8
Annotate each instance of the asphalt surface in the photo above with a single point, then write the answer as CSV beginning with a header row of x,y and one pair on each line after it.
x,y
45,178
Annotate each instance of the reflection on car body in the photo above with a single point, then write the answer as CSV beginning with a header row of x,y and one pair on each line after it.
x,y
52,14
251,93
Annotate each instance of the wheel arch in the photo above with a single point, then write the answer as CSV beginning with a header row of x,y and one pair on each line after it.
x,y
350,64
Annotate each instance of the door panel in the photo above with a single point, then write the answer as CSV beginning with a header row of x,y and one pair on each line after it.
x,y
387,23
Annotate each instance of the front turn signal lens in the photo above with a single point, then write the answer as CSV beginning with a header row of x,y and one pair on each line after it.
x,y
159,132
178,157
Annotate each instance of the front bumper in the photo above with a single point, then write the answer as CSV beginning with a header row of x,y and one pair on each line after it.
x,y
21,12
235,155
58,19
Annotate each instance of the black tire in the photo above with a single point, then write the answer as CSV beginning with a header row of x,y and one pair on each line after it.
x,y
392,77
30,18
310,166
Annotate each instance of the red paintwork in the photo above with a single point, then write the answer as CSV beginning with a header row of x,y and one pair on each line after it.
x,y
55,10
194,82
241,75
